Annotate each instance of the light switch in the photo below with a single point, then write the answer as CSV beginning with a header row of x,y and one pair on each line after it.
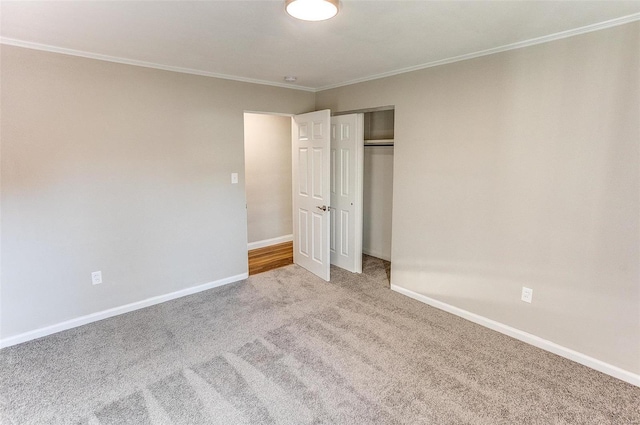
x,y
234,178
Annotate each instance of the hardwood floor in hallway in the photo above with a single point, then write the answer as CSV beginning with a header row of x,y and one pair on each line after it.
x,y
270,257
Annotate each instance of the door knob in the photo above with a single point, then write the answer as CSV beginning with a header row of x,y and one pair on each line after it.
x,y
323,208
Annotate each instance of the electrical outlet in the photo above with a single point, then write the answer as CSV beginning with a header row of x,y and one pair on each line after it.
x,y
527,294
234,178
96,278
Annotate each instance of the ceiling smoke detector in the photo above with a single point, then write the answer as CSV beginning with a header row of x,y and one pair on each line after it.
x,y
291,78
312,10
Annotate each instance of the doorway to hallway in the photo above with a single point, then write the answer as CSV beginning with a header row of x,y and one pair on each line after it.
x,y
270,154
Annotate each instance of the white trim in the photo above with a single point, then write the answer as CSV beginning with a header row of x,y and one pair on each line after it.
x,y
534,340
94,317
376,254
144,64
518,45
279,114
269,242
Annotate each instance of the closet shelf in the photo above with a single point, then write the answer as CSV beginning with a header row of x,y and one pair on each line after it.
x,y
379,142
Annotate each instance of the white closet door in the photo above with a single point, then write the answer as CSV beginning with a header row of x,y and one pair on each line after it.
x,y
347,162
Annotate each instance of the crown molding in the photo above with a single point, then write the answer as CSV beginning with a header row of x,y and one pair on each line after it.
x,y
513,46
115,59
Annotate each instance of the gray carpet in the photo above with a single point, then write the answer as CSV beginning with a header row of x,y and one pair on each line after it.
x,y
285,347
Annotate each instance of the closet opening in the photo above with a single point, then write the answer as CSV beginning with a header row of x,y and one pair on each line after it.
x,y
378,185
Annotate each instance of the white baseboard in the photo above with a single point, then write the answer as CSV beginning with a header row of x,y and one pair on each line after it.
x,y
536,341
269,242
94,317
376,254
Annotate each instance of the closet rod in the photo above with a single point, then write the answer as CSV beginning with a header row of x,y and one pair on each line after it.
x,y
378,144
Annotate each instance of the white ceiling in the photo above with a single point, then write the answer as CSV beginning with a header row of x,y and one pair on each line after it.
x,y
258,41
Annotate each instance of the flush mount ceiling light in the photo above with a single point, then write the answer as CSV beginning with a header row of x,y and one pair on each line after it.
x,y
312,10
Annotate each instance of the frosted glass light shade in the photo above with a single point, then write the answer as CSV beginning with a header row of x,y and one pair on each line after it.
x,y
312,10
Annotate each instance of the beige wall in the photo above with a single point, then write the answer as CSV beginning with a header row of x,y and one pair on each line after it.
x,y
267,153
121,169
522,169
378,201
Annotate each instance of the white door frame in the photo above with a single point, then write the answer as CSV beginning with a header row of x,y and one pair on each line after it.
x,y
283,238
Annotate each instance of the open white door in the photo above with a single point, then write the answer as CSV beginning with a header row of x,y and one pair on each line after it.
x,y
347,163
311,197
